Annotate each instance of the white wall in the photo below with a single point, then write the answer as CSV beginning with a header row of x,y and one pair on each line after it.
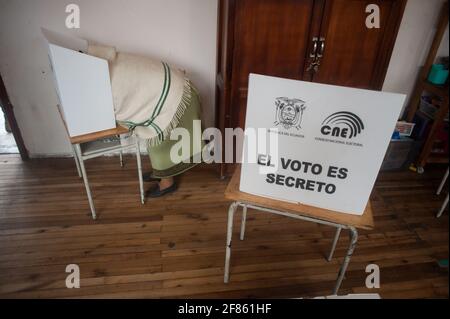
x,y
179,32
413,42
182,32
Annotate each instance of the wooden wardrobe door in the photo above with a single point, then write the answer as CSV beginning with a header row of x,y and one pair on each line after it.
x,y
271,37
355,55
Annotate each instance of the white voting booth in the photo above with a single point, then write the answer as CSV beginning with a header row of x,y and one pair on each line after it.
x,y
315,157
331,142
83,85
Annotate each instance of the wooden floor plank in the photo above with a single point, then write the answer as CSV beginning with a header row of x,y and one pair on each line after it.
x,y
173,247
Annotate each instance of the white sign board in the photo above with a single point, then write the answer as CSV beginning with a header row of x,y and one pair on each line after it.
x,y
331,142
83,85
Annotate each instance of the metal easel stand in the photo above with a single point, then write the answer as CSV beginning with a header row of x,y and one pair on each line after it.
x,y
80,158
339,227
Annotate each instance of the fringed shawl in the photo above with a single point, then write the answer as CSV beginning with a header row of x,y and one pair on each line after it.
x,y
149,96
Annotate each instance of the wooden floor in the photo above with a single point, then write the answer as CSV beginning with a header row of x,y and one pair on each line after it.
x,y
174,247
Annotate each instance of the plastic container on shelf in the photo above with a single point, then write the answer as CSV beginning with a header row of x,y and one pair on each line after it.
x,y
427,107
438,74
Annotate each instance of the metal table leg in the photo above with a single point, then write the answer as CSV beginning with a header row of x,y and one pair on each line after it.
x,y
348,256
244,220
77,163
442,182
441,186
85,179
439,214
121,159
351,248
231,212
335,241
139,165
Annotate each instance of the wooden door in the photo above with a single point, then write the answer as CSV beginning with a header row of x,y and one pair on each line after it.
x,y
271,37
276,38
355,55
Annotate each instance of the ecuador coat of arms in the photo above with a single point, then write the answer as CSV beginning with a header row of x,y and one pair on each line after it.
x,y
289,112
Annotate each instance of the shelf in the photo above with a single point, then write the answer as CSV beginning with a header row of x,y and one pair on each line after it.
x,y
438,158
431,117
426,155
439,90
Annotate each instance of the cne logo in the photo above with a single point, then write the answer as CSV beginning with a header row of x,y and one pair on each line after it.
x,y
342,124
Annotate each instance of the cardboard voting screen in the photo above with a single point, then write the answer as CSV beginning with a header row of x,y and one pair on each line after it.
x,y
82,84
331,142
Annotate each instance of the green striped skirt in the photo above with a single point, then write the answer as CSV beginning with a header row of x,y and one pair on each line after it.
x,y
162,164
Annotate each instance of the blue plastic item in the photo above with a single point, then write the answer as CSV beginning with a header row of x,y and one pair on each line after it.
x,y
396,135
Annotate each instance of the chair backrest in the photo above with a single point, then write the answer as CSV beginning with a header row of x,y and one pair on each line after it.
x,y
83,85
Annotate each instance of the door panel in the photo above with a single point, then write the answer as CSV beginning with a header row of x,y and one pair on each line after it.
x,y
352,55
271,38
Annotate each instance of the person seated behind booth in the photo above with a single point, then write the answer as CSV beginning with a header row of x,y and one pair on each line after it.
x,y
152,98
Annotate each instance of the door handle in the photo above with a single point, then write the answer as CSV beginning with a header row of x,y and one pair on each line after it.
x,y
316,56
315,46
314,65
322,47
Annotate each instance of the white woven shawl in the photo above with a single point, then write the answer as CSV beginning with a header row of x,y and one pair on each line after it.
x,y
149,96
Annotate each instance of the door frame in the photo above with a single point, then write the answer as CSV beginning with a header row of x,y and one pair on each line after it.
x,y
8,110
